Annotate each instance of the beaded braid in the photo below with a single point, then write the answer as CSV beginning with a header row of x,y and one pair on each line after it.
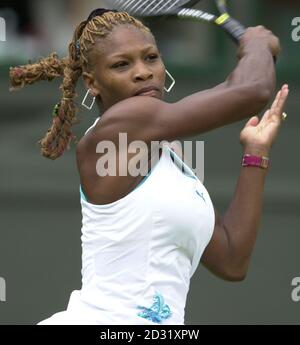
x,y
45,69
59,135
87,33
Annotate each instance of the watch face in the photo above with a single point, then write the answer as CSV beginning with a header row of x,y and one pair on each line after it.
x,y
264,162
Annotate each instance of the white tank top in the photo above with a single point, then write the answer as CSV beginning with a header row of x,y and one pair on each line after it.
x,y
139,252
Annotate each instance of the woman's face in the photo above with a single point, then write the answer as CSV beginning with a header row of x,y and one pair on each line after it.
x,y
126,61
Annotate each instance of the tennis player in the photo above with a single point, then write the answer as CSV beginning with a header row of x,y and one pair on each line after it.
x,y
144,236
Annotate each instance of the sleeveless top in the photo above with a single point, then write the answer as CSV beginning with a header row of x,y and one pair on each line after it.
x,y
139,252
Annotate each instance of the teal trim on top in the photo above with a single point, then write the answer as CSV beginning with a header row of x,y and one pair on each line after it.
x,y
186,169
82,194
143,180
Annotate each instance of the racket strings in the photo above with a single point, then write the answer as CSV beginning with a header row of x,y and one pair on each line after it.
x,y
148,6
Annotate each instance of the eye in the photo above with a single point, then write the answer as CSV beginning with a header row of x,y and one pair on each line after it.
x,y
153,56
119,64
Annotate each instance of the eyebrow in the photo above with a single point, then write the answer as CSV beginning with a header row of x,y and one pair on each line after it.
x,y
126,54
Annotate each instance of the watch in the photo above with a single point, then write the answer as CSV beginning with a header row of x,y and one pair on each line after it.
x,y
255,161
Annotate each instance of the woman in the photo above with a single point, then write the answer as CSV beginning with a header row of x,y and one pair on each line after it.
x,y
143,237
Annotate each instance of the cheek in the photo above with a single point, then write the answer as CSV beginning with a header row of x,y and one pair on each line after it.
x,y
109,82
116,87
162,74
162,71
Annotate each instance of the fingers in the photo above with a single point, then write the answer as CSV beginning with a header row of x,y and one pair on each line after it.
x,y
275,102
280,100
253,121
276,110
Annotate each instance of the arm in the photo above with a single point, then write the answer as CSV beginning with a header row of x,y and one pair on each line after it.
x,y
229,251
245,92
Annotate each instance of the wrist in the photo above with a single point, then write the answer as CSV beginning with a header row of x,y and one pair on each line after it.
x,y
256,47
255,161
257,150
256,156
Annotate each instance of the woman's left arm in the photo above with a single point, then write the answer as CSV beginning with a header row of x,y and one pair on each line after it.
x,y
228,253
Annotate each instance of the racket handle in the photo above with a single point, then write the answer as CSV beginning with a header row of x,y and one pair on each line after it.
x,y
236,30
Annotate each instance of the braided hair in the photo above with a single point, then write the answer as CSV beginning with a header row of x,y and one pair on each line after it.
x,y
98,25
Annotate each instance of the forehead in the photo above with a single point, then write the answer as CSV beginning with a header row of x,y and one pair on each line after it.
x,y
123,39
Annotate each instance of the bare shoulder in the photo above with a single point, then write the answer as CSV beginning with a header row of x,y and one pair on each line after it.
x,y
136,116
128,116
135,107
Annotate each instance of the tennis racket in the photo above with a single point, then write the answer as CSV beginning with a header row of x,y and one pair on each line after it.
x,y
182,10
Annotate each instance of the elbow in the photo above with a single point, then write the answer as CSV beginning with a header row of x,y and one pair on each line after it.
x,y
236,277
235,274
228,272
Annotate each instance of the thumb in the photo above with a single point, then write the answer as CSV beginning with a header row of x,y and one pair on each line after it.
x,y
253,121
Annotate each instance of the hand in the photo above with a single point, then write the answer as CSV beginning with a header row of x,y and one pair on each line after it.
x,y
259,135
257,38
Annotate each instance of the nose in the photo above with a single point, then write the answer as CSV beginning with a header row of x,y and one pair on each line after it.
x,y
141,72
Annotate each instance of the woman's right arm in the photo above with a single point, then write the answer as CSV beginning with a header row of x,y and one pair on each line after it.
x,y
246,91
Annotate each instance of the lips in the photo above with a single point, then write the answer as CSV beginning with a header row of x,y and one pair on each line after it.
x,y
147,90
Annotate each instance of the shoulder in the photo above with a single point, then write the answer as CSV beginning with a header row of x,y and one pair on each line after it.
x,y
122,116
136,109
136,116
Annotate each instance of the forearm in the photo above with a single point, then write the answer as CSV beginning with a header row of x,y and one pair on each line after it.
x,y
223,105
244,93
228,253
242,219
256,67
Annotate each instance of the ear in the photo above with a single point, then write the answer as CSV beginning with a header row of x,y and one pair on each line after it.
x,y
90,83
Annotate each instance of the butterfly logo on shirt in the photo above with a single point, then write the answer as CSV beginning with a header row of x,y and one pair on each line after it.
x,y
185,170
158,310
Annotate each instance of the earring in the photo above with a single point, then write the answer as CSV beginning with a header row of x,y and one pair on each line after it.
x,y
173,82
93,101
